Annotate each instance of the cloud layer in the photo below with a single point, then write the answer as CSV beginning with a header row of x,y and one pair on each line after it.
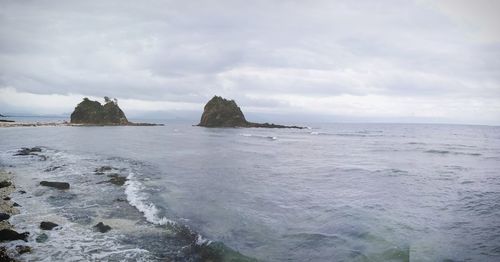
x,y
350,58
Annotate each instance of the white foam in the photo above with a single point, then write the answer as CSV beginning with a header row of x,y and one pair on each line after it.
x,y
136,197
314,133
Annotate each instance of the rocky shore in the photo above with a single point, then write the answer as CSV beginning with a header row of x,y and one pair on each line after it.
x,y
65,123
8,209
16,245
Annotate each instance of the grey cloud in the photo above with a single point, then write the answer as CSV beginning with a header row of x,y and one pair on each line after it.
x,y
187,51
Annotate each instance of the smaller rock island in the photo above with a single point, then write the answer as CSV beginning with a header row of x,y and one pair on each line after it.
x,y
220,112
90,112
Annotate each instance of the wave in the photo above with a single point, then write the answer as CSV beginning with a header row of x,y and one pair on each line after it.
x,y
444,152
136,198
260,136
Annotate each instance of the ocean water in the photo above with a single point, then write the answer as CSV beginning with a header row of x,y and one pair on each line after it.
x,y
334,192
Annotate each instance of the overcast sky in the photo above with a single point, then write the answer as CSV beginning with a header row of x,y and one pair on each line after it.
x,y
384,60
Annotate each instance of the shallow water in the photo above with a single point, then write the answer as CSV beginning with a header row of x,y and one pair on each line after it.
x,y
341,192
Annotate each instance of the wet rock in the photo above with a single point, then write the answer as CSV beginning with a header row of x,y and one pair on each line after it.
x,y
10,235
4,216
42,238
58,185
25,151
102,227
21,249
120,200
16,205
45,225
52,168
22,192
6,198
117,180
5,183
103,169
4,257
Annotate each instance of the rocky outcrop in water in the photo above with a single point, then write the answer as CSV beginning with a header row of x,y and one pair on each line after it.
x,y
102,227
220,112
46,225
11,235
58,185
92,112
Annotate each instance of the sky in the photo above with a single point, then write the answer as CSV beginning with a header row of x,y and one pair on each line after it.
x,y
331,61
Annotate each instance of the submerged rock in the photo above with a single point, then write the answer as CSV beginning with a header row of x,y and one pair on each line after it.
x,y
25,151
10,235
117,180
21,249
102,227
46,225
220,112
42,238
58,185
92,112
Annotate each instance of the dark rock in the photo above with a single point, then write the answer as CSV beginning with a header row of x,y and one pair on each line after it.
x,y
4,216
22,192
102,169
52,168
220,112
21,249
4,257
58,185
6,198
45,225
25,151
5,183
92,112
117,180
16,205
10,235
42,238
102,227
120,200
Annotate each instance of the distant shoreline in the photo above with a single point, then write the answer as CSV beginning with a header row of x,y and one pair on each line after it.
x,y
65,123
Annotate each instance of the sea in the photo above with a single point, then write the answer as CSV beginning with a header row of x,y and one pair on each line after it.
x,y
330,192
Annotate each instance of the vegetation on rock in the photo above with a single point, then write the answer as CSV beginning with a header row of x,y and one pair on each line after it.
x,y
92,112
220,112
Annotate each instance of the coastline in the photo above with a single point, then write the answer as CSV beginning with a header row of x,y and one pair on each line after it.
x,y
191,244
65,123
6,208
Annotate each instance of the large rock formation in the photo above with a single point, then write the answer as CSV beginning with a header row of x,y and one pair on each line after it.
x,y
220,112
92,112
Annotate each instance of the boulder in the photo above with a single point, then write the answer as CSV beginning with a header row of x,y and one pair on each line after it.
x,y
220,112
5,183
45,225
4,216
93,113
21,249
58,185
11,235
102,227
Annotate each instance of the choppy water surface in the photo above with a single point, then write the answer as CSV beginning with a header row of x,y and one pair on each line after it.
x,y
337,192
